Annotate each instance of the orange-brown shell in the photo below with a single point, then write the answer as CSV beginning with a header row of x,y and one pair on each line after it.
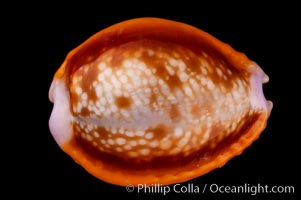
x,y
156,101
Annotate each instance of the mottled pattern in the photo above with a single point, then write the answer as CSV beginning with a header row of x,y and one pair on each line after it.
x,y
147,99
151,100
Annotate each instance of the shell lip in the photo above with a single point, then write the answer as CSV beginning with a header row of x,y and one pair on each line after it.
x,y
60,122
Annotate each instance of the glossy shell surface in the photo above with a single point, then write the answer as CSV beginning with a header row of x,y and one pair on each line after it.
x,y
156,101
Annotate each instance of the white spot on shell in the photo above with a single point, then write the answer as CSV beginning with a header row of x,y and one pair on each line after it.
x,y
120,141
133,143
203,80
144,152
133,154
142,142
183,77
219,72
154,144
204,70
150,52
188,91
139,133
101,66
127,147
124,79
108,72
165,144
182,65
111,142
127,63
78,90
178,132
172,62
84,96
89,137
96,134
210,85
129,134
170,70
149,136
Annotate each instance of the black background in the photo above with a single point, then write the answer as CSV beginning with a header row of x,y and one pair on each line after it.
x,y
44,34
